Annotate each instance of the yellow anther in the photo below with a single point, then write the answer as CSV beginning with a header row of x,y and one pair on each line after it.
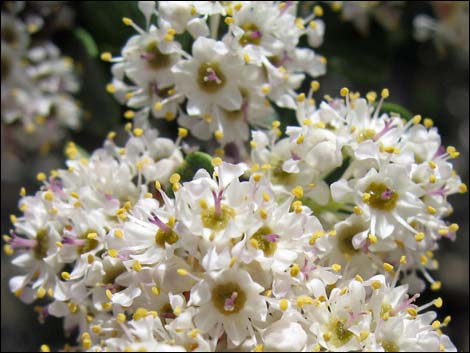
x,y
336,267
300,139
90,259
359,278
182,272
366,196
423,259
432,179
45,348
177,310
136,266
301,97
357,210
13,219
228,20
203,204
48,196
416,119
412,311
96,329
254,243
371,96
447,320
121,318
111,135
194,332
140,313
232,262
266,89
298,192
219,152
428,123
299,23
182,132
175,178
436,285
158,106
388,267
315,85
436,324
41,176
127,21
463,188
92,235
454,227
216,161
22,192
129,114
113,252
344,92
313,24
8,250
403,260
295,270
171,31
283,304
109,294
303,300
148,195
72,307
246,58
443,231
110,88
219,135
317,347
257,177
106,56
170,116
318,11
372,238
385,93
65,275
138,132
363,335
431,210
438,302
118,233
327,336
259,348
41,292
275,124
419,236
263,213
432,165
266,196
376,285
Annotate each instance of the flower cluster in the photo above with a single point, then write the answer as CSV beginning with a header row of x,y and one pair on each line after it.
x,y
37,85
244,57
448,29
138,256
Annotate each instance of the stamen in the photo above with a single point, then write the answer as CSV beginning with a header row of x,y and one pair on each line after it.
x,y
273,238
230,302
158,222
18,242
211,76
73,241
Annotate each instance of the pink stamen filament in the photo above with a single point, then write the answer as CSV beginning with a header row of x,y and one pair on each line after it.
x,y
388,126
18,242
218,202
158,222
440,192
147,56
307,269
229,304
255,34
73,241
387,194
272,238
405,304
440,152
295,156
212,76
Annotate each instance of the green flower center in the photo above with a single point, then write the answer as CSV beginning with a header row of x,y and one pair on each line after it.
x,y
252,34
345,237
89,244
228,298
155,58
381,197
268,247
217,221
169,237
210,77
42,244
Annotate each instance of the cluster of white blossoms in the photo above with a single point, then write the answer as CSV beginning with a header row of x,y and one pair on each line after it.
x,y
362,13
279,253
37,85
243,57
449,28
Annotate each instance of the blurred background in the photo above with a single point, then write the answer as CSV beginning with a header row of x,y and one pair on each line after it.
x,y
369,46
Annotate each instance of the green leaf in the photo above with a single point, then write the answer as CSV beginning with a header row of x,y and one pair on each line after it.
x,y
87,41
389,108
